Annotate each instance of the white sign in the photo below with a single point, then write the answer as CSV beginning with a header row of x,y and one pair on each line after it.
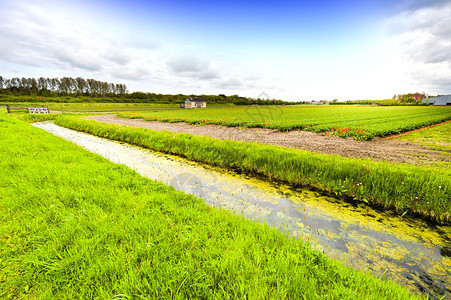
x,y
38,110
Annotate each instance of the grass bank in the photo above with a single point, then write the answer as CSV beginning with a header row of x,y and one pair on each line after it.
x,y
74,225
402,187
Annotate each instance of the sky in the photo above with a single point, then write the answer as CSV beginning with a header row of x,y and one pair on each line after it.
x,y
289,50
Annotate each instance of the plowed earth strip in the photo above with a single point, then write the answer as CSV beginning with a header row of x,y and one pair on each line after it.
x,y
391,150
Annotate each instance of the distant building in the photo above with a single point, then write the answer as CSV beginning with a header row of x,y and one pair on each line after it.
x,y
441,100
418,96
195,103
405,97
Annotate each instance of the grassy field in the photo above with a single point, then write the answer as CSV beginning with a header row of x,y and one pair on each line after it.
x,y
404,188
437,138
99,107
361,122
74,225
104,107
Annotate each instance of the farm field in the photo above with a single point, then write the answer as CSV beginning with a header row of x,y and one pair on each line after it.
x,y
388,149
74,225
360,122
421,191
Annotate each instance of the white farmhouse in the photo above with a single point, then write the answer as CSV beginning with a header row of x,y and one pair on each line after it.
x,y
195,103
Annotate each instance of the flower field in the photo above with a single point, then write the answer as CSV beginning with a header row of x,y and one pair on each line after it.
x,y
362,123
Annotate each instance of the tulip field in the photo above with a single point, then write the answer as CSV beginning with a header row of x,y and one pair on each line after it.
x,y
360,122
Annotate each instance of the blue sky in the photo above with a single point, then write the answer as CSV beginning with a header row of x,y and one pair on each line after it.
x,y
295,50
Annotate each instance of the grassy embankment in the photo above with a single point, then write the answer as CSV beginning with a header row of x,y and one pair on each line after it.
x,y
402,187
74,225
362,123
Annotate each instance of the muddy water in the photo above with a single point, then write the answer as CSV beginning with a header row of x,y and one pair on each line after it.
x,y
409,251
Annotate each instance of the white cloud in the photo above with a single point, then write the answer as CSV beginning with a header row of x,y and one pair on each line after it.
x,y
230,83
422,38
51,42
191,65
82,58
415,5
118,56
134,73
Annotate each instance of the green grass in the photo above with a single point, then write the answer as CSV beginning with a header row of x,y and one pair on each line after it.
x,y
105,107
436,138
363,123
99,107
402,187
76,226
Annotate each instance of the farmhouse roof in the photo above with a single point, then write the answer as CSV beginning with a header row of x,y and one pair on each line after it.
x,y
441,100
200,99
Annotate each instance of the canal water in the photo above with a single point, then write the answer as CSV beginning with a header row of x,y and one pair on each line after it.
x,y
412,252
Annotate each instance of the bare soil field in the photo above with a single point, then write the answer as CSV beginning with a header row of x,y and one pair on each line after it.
x,y
391,150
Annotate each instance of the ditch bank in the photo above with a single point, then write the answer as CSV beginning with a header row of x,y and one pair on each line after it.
x,y
412,252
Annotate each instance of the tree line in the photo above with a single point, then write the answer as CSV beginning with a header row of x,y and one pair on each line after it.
x,y
68,89
220,99
60,87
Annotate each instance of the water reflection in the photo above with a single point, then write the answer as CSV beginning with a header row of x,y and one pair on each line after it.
x,y
410,251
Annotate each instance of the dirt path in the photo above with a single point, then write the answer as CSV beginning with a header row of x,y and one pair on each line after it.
x,y
380,149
